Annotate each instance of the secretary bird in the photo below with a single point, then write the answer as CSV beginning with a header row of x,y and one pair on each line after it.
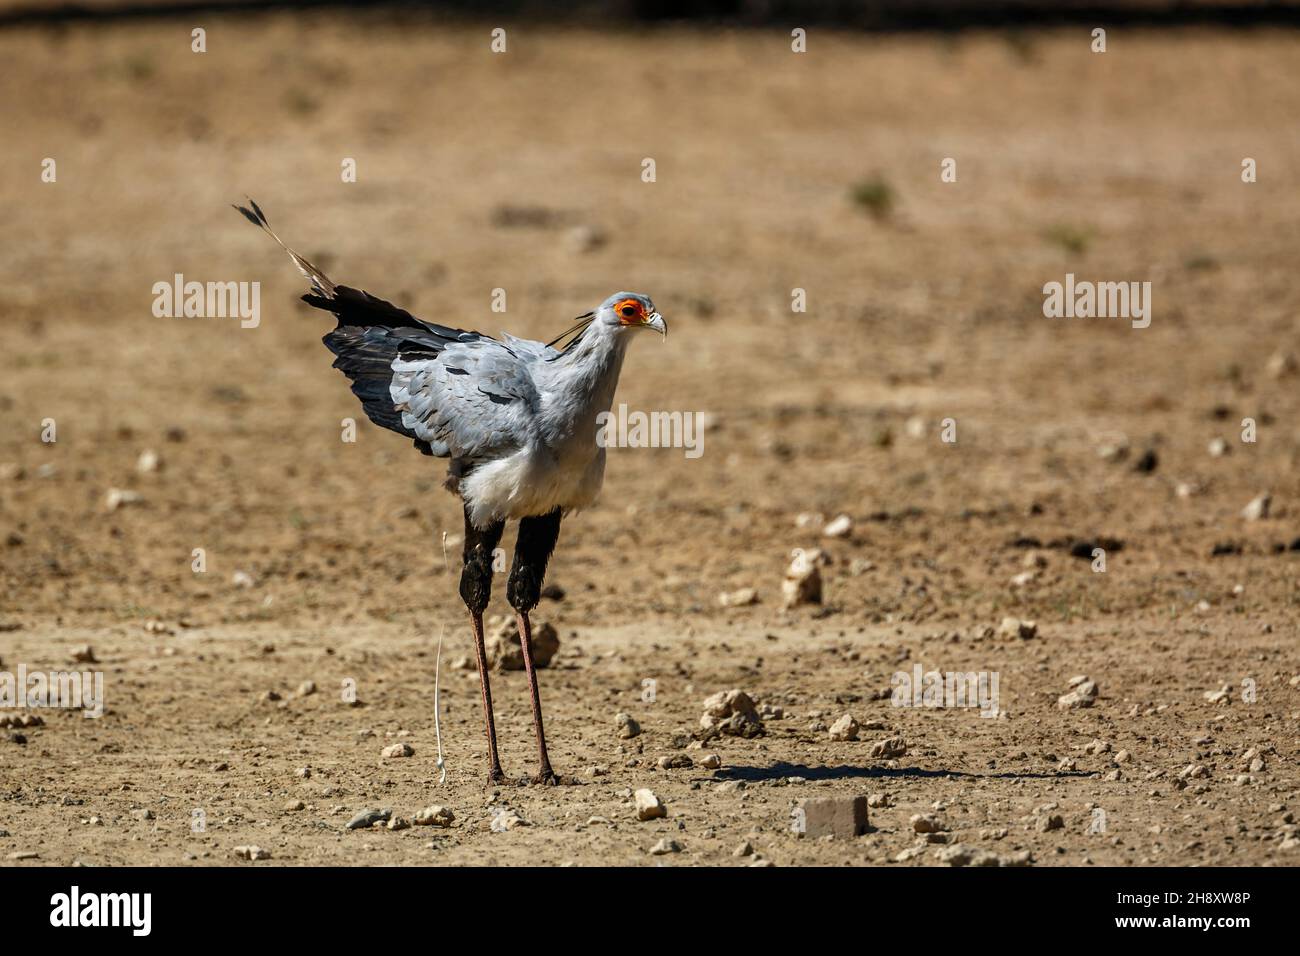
x,y
517,419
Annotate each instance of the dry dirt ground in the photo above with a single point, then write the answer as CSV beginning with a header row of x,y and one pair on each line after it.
x,y
479,171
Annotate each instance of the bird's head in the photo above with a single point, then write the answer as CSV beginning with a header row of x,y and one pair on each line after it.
x,y
630,310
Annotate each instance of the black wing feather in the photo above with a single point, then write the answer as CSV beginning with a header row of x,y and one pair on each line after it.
x,y
369,335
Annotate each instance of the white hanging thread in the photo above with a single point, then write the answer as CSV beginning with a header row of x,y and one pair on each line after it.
x,y
437,673
437,728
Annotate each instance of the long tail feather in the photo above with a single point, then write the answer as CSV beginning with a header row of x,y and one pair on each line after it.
x,y
319,281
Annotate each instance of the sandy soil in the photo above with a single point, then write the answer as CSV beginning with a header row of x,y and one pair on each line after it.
x,y
479,171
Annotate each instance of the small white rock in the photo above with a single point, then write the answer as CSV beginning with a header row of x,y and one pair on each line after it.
x,y
846,728
839,527
120,497
1258,508
741,597
434,817
148,462
648,805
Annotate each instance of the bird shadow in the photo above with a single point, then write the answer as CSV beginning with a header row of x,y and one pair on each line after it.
x,y
779,771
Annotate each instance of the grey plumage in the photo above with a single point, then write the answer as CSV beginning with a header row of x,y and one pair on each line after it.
x,y
517,418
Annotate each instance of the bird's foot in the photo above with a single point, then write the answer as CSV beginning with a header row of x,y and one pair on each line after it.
x,y
496,777
546,777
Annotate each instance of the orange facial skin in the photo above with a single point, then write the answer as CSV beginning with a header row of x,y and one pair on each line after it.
x,y
630,312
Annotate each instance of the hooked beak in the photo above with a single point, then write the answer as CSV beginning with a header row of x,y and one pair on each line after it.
x,y
656,321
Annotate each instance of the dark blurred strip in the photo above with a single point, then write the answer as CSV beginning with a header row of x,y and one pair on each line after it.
x,y
882,15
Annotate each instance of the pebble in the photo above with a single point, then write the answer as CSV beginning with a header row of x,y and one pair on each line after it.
x,y
711,762
1015,627
1084,694
435,816
120,497
961,855
85,654
627,726
742,597
676,762
733,713
399,823
295,805
648,805
397,750
507,819
368,818
252,852
926,823
889,748
803,581
745,849
839,527
666,846
148,462
846,728
1258,508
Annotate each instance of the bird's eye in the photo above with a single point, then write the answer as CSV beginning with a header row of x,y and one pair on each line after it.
x,y
628,310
